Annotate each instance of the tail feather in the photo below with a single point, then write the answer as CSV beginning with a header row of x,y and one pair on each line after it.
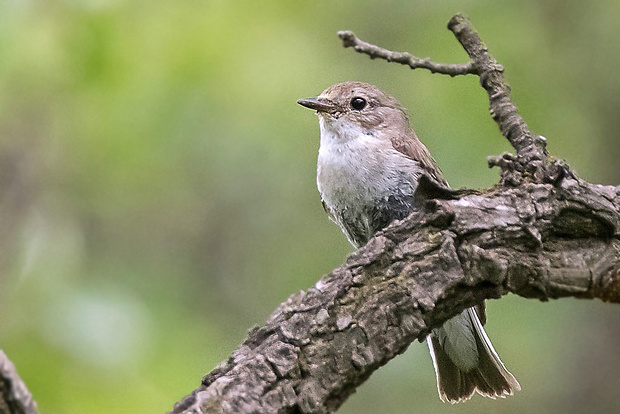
x,y
489,377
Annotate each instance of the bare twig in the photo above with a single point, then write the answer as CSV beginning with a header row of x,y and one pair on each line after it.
x,y
349,39
531,149
532,161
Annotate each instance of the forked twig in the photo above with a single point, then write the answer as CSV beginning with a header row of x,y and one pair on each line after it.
x,y
532,160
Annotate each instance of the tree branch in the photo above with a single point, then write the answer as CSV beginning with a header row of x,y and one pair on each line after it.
x,y
542,233
15,397
537,241
531,149
349,39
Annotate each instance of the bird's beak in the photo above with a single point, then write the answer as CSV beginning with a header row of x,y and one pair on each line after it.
x,y
317,105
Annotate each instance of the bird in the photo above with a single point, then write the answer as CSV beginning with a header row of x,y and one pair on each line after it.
x,y
369,164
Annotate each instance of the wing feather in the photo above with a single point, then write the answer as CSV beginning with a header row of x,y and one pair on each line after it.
x,y
410,146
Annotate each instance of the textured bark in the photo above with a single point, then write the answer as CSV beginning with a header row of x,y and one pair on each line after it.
x,y
538,241
15,397
541,233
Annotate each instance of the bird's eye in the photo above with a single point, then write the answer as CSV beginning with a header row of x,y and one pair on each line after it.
x,y
358,103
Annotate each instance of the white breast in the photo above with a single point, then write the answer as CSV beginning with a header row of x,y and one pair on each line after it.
x,y
356,169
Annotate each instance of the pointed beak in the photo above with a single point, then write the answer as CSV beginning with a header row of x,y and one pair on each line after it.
x,y
317,105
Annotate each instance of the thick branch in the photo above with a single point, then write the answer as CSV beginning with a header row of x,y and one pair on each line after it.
x,y
16,399
546,235
537,241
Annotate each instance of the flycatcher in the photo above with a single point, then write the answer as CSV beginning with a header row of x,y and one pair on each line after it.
x,y
369,165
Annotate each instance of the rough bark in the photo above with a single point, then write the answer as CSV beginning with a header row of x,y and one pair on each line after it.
x,y
541,233
15,397
539,241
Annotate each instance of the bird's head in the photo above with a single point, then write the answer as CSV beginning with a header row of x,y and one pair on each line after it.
x,y
351,108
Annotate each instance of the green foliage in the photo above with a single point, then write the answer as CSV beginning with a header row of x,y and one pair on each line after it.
x,y
157,191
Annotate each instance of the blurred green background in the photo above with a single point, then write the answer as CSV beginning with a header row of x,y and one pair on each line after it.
x,y
158,198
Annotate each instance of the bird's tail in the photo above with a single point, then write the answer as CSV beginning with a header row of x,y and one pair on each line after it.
x,y
465,361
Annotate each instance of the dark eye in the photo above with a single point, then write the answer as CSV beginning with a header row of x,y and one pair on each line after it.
x,y
358,103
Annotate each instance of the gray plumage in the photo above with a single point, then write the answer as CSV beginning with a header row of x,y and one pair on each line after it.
x,y
369,164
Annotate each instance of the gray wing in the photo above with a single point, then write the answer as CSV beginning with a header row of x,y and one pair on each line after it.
x,y
412,147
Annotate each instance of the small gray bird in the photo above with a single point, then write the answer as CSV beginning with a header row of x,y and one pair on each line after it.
x,y
370,161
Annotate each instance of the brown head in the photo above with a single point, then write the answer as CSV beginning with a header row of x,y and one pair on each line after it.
x,y
360,104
